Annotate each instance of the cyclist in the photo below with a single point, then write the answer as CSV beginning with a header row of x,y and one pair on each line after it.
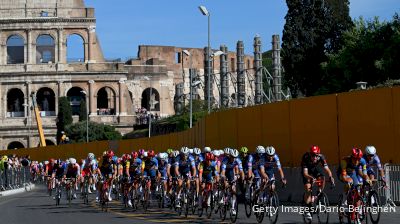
x,y
135,172
73,171
207,172
50,167
270,160
198,158
150,166
311,163
162,171
89,167
230,168
60,171
171,170
185,167
108,172
373,161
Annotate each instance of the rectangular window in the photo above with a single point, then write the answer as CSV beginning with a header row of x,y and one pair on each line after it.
x,y
233,64
178,58
44,14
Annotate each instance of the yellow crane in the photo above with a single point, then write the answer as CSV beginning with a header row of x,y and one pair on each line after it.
x,y
38,121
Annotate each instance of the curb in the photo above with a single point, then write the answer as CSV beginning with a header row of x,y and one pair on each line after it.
x,y
17,191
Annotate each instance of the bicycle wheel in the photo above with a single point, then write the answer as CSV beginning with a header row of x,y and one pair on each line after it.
x,y
341,209
146,200
273,203
373,204
210,208
185,204
322,205
247,200
217,200
260,214
233,206
69,197
224,206
58,196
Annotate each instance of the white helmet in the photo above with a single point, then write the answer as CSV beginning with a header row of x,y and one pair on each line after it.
x,y
207,149
163,156
197,151
185,150
227,151
216,153
191,151
72,161
260,149
40,164
370,150
234,153
91,156
46,162
145,154
221,152
270,150
175,153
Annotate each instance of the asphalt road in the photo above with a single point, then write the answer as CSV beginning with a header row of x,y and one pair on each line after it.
x,y
37,207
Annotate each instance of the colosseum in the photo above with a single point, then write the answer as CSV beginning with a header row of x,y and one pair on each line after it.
x,y
34,37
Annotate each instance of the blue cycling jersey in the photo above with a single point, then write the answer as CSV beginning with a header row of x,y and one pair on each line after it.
x,y
270,163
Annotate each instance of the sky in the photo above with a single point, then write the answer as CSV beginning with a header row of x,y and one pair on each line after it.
x,y
122,25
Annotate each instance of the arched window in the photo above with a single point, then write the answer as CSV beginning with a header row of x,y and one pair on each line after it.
x,y
75,97
15,145
151,102
46,101
75,49
48,143
45,49
15,50
106,101
15,102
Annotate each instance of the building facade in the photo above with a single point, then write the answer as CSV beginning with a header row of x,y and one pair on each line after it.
x,y
34,37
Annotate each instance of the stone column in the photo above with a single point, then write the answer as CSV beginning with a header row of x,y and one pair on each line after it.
x,y
28,99
92,105
3,58
59,94
90,30
28,46
61,52
121,97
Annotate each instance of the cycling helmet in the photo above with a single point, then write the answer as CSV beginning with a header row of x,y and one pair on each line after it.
x,y
209,156
46,162
370,150
207,149
315,150
124,157
244,150
141,152
91,156
221,152
270,150
169,151
104,153
151,154
234,153
135,155
72,161
51,161
356,153
216,153
227,151
128,156
197,151
175,153
260,149
145,154
184,150
163,156
110,153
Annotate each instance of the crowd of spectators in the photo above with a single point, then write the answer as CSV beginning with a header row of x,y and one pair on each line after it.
x,y
142,116
13,171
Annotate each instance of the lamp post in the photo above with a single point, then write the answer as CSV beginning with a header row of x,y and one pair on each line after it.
x,y
87,115
205,12
191,89
151,92
28,124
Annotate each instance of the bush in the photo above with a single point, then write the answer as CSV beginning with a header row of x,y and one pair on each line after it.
x,y
97,132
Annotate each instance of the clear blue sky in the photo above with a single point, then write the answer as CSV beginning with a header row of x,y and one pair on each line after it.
x,y
122,25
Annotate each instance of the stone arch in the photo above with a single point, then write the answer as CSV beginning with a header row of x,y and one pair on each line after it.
x,y
75,47
45,49
151,102
48,143
106,101
46,101
75,96
15,103
15,49
15,145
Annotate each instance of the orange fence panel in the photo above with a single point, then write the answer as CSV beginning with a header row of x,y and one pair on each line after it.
x,y
275,130
249,127
365,118
228,132
212,131
394,152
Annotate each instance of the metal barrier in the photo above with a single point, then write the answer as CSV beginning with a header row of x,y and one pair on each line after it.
x,y
392,193
13,177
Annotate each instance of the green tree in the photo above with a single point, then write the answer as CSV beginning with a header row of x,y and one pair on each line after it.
x,y
64,116
97,132
313,29
83,111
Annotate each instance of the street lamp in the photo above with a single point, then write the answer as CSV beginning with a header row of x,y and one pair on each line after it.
x,y
205,12
87,115
151,88
191,89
